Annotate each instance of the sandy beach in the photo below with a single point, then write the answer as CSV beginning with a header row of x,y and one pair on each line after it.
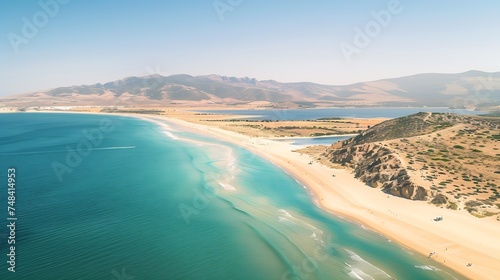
x,y
456,241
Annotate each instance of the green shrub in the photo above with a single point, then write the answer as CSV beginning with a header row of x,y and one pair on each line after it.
x,y
439,199
452,206
473,203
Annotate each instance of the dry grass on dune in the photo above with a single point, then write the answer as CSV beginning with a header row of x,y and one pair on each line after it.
x,y
453,160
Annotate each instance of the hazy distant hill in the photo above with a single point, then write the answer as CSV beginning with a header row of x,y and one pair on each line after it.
x,y
470,89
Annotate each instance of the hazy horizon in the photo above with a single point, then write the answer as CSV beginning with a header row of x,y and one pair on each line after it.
x,y
49,43
201,75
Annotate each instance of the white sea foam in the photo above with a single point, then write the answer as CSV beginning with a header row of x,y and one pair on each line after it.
x,y
170,135
166,130
368,229
227,187
284,212
425,267
231,160
364,228
287,217
362,269
305,225
162,124
315,233
315,237
229,163
283,170
359,274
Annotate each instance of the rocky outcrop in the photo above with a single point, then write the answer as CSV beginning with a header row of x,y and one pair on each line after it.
x,y
378,167
449,160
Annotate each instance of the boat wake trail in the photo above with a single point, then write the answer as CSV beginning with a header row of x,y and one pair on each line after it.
x,y
65,151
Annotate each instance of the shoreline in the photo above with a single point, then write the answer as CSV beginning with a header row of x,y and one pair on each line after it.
x,y
309,137
457,241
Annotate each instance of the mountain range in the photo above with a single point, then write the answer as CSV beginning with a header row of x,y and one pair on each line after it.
x,y
472,89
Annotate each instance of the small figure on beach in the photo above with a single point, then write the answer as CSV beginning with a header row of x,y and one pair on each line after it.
x,y
469,264
438,218
431,254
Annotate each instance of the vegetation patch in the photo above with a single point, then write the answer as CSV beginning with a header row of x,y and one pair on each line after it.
x,y
452,206
439,199
473,203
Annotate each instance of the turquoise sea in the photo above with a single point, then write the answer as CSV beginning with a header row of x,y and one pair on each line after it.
x,y
108,197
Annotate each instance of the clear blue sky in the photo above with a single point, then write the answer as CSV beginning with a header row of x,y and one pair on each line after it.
x,y
94,41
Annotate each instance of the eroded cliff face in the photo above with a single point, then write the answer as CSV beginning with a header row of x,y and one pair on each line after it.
x,y
378,167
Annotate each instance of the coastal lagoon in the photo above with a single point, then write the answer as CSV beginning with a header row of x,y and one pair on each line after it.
x,y
318,113
111,197
302,142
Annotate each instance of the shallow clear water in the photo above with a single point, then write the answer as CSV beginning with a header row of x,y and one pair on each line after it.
x,y
309,141
153,201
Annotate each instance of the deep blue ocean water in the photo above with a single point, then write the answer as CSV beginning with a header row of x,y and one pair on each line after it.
x,y
108,197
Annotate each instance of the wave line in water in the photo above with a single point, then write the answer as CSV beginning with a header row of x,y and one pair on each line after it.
x,y
363,269
227,187
280,255
435,269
